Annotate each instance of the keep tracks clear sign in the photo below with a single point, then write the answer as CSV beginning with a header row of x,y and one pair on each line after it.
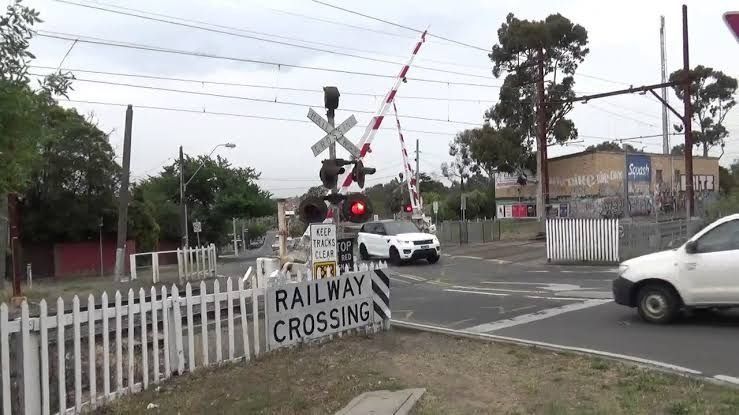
x,y
318,308
323,250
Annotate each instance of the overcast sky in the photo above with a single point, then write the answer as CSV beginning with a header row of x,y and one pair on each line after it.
x,y
623,40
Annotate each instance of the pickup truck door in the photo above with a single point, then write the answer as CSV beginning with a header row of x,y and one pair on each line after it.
x,y
712,271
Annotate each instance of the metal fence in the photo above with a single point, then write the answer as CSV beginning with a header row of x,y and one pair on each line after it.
x,y
199,262
481,231
638,237
582,240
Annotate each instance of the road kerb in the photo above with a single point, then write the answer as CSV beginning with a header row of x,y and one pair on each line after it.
x,y
633,360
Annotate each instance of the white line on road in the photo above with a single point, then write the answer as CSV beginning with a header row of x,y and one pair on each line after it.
x,y
538,270
467,257
412,277
464,287
477,292
499,261
729,379
550,346
399,280
557,298
539,315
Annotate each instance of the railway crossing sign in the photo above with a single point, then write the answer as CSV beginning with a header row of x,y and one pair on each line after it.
x,y
333,134
323,250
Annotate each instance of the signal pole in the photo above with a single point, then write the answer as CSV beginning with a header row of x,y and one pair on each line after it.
x,y
120,251
687,118
541,133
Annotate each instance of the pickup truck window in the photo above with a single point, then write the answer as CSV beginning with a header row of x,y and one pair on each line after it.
x,y
724,237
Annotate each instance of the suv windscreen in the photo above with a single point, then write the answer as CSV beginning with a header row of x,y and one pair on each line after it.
x,y
395,228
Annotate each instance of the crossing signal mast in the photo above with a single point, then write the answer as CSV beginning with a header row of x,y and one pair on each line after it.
x,y
354,207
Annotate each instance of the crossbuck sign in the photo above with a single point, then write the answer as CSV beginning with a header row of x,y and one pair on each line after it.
x,y
333,134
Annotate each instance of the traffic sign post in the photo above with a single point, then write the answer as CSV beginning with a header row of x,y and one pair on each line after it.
x,y
323,252
197,227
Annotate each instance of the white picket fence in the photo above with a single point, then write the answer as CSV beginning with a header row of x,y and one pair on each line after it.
x,y
67,362
192,263
582,240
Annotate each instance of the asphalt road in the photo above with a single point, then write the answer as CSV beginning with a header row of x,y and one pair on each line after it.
x,y
560,305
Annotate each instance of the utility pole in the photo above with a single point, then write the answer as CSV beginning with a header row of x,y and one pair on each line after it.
x,y
687,118
120,252
541,132
665,120
236,244
183,207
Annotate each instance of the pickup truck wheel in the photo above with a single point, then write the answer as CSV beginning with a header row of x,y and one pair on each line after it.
x,y
657,304
395,257
363,253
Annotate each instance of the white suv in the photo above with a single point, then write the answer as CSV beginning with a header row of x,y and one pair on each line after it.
x,y
397,241
703,273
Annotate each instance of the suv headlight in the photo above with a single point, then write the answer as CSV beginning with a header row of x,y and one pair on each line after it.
x,y
622,269
404,242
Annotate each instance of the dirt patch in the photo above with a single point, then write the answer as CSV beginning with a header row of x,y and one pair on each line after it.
x,y
461,376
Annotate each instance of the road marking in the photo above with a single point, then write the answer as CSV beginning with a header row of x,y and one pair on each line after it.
x,y
399,280
477,292
539,315
526,307
538,270
463,287
543,285
456,323
729,379
499,261
468,257
558,298
411,277
439,283
551,346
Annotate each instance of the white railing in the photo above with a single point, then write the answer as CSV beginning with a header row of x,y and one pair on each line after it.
x,y
582,240
66,361
192,263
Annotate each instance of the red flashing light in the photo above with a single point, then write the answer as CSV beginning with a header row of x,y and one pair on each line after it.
x,y
408,208
358,208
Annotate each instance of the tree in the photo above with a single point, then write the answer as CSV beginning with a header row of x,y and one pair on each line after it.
x,y
726,180
426,184
74,182
216,194
461,165
712,94
562,45
678,150
614,146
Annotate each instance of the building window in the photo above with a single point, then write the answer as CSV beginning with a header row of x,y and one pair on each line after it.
x,y
659,176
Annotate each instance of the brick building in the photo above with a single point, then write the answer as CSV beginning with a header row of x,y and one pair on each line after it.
x,y
591,184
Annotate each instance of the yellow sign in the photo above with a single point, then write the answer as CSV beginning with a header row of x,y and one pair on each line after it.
x,y
324,270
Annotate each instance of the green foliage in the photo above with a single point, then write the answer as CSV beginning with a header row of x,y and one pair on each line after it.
x,y
678,150
462,164
613,146
215,195
73,183
712,94
256,230
726,180
563,46
16,30
297,228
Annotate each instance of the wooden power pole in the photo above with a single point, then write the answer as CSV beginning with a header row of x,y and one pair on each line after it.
x,y
120,251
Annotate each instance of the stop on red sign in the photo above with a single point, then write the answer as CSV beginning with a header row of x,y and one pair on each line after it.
x,y
732,20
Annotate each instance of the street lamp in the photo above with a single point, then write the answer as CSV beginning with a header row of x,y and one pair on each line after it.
x,y
183,187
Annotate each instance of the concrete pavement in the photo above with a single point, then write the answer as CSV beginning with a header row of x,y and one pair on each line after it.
x,y
567,306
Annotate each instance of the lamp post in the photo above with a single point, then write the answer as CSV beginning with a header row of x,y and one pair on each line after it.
x,y
183,187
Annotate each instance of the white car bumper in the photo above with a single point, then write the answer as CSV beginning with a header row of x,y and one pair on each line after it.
x,y
411,251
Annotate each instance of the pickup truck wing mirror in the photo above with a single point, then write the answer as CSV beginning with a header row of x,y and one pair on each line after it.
x,y
691,247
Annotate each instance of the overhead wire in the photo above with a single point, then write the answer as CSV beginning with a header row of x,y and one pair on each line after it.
x,y
402,26
257,86
149,48
301,40
226,114
261,39
264,100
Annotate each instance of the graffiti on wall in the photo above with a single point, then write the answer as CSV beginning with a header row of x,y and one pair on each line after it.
x,y
587,180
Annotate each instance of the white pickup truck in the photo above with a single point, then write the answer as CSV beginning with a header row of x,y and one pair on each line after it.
x,y
398,241
702,273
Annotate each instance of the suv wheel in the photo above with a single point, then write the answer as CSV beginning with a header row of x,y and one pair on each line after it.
x,y
395,256
433,259
658,303
363,253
